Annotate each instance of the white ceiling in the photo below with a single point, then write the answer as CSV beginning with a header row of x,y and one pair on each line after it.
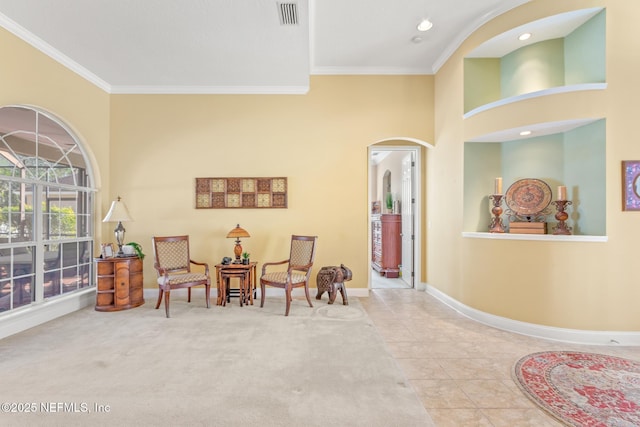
x,y
239,46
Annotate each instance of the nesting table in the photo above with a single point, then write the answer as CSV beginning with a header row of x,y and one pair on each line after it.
x,y
246,275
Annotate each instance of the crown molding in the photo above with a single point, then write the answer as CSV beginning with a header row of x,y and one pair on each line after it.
x,y
368,71
50,51
210,90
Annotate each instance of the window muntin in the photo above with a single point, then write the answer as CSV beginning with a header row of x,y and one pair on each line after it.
x,y
46,210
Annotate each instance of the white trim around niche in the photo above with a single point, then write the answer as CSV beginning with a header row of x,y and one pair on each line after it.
x,y
575,336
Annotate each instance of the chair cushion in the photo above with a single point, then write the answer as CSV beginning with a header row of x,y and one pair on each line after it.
x,y
281,277
176,279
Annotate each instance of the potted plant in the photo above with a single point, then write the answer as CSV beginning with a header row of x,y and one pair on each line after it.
x,y
389,202
245,258
137,249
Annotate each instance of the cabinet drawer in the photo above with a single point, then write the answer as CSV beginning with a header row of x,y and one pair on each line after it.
x,y
136,296
135,280
122,293
135,265
105,268
104,299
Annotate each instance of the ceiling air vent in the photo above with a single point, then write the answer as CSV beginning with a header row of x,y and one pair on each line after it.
x,y
288,13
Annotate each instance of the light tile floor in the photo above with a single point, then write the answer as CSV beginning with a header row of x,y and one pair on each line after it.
x,y
381,282
461,369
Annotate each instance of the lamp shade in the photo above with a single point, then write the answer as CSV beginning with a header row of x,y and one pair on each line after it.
x,y
117,212
238,232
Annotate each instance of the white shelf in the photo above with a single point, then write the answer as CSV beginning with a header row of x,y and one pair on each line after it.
x,y
539,237
537,94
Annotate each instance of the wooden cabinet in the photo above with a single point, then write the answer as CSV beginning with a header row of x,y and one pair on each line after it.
x,y
120,283
385,248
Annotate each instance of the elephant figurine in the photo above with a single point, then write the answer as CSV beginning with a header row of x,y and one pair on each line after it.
x,y
331,279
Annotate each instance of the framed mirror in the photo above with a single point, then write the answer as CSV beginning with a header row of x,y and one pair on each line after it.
x,y
631,185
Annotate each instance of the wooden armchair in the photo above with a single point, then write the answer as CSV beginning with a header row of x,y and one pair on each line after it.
x,y
173,266
303,250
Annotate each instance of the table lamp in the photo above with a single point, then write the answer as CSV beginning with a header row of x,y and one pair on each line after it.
x,y
237,233
118,212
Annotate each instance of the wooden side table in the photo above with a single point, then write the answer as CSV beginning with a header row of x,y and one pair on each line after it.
x,y
120,283
247,275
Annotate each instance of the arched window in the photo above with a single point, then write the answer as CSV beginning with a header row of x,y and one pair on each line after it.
x,y
46,209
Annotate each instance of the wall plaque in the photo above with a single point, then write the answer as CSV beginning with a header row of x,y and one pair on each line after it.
x,y
222,193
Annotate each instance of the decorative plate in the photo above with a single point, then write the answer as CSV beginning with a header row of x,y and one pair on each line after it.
x,y
528,196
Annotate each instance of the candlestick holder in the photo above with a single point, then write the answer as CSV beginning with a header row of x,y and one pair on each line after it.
x,y
496,225
562,216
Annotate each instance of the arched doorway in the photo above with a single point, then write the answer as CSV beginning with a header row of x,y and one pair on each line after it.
x,y
405,158
395,191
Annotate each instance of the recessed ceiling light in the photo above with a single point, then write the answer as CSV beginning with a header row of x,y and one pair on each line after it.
x,y
525,133
425,25
416,39
524,36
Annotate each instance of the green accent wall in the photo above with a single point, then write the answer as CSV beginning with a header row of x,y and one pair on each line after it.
x,y
540,158
585,52
532,68
585,178
481,82
482,164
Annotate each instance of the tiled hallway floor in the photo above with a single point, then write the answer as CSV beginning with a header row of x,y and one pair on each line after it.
x,y
381,282
461,369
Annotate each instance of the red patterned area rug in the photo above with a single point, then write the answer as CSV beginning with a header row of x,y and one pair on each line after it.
x,y
582,389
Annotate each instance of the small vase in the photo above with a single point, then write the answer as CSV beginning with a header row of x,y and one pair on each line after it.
x,y
245,261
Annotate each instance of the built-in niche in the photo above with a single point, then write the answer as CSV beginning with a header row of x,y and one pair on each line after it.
x,y
574,158
565,52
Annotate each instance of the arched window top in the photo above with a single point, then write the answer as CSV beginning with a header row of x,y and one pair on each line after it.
x,y
46,210
35,146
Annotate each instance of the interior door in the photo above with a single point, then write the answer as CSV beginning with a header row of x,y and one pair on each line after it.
x,y
407,211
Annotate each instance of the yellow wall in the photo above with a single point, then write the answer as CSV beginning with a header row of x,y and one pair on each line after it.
x,y
591,286
318,141
28,77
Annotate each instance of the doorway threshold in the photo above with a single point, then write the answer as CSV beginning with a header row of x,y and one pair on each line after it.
x,y
382,282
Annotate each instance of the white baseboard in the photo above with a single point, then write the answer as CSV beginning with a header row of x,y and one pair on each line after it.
x,y
576,336
21,319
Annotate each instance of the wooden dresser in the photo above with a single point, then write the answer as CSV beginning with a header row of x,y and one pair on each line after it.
x,y
120,283
385,246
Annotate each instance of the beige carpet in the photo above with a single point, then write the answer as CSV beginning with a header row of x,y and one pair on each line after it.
x,y
226,366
